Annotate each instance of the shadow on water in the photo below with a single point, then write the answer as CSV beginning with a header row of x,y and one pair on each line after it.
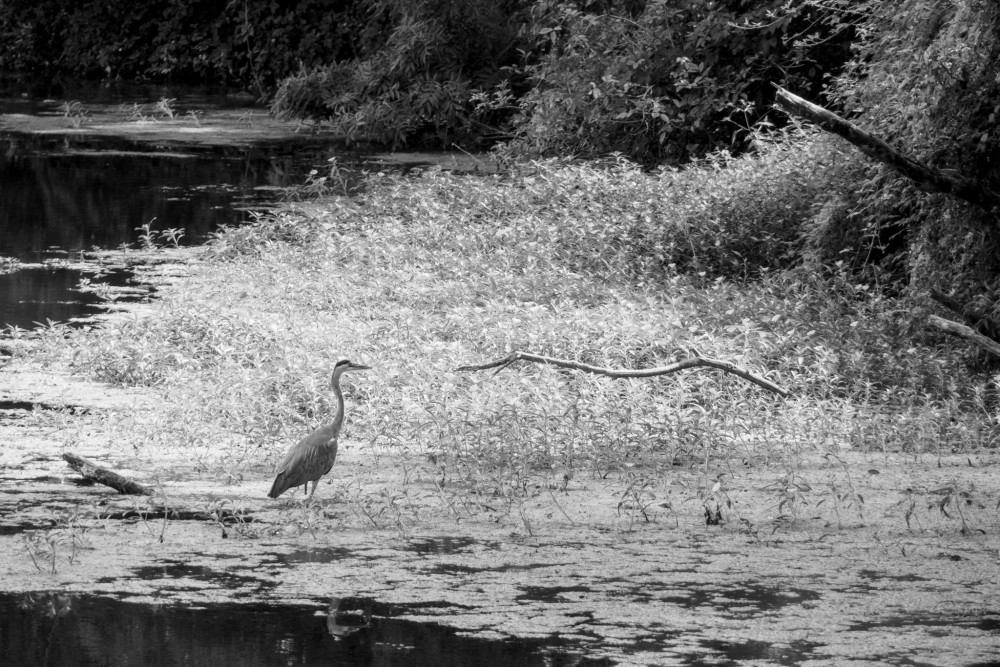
x,y
316,555
55,629
990,623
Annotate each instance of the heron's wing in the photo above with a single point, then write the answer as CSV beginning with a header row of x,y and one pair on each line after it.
x,y
311,458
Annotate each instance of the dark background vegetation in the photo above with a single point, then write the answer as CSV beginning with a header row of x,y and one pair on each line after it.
x,y
661,83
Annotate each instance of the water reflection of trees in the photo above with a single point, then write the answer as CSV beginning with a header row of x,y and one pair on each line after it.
x,y
73,196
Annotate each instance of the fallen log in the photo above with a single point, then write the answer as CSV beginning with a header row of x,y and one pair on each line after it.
x,y
979,320
927,178
962,331
91,470
692,362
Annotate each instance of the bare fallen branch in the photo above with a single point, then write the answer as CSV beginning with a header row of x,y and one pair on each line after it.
x,y
692,362
979,320
91,470
962,331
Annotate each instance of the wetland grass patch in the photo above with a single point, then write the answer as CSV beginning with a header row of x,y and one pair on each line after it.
x,y
605,264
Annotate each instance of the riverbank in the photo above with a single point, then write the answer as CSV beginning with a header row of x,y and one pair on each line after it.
x,y
533,502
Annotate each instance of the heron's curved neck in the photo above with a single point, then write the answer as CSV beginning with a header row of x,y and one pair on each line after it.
x,y
338,417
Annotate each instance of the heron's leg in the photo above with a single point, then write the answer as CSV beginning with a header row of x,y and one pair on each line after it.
x,y
315,484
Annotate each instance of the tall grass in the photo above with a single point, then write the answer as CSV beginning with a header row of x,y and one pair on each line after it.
x,y
606,264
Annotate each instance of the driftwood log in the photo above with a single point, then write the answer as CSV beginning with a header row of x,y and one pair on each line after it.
x,y
91,470
692,362
962,331
927,178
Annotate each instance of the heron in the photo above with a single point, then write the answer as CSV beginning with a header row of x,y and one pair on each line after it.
x,y
313,456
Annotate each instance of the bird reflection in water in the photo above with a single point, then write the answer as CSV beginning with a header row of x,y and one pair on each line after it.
x,y
348,619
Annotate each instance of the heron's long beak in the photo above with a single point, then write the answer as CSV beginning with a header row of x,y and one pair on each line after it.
x,y
358,367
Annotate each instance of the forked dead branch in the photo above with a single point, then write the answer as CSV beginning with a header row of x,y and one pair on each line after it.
x,y
691,362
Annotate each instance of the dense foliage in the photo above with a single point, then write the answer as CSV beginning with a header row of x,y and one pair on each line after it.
x,y
248,42
420,66
666,81
925,78
655,81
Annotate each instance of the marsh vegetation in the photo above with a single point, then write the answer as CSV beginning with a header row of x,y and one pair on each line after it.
x,y
602,263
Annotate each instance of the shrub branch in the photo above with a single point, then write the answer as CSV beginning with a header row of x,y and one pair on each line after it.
x,y
691,362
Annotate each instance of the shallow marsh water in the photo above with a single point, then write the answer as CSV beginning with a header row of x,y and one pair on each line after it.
x,y
591,583
90,576
587,587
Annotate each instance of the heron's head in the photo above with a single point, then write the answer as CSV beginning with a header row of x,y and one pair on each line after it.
x,y
345,365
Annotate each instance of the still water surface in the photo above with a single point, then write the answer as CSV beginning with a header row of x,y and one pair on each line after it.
x,y
55,629
63,193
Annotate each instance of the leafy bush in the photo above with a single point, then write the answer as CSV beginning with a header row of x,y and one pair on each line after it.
x,y
657,82
671,80
719,217
415,81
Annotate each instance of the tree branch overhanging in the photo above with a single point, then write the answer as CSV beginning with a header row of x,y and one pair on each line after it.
x,y
927,178
692,362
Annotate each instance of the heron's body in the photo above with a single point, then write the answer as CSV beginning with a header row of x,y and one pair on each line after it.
x,y
313,456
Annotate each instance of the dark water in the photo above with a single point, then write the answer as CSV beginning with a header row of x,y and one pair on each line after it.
x,y
25,93
40,295
81,193
60,195
54,629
